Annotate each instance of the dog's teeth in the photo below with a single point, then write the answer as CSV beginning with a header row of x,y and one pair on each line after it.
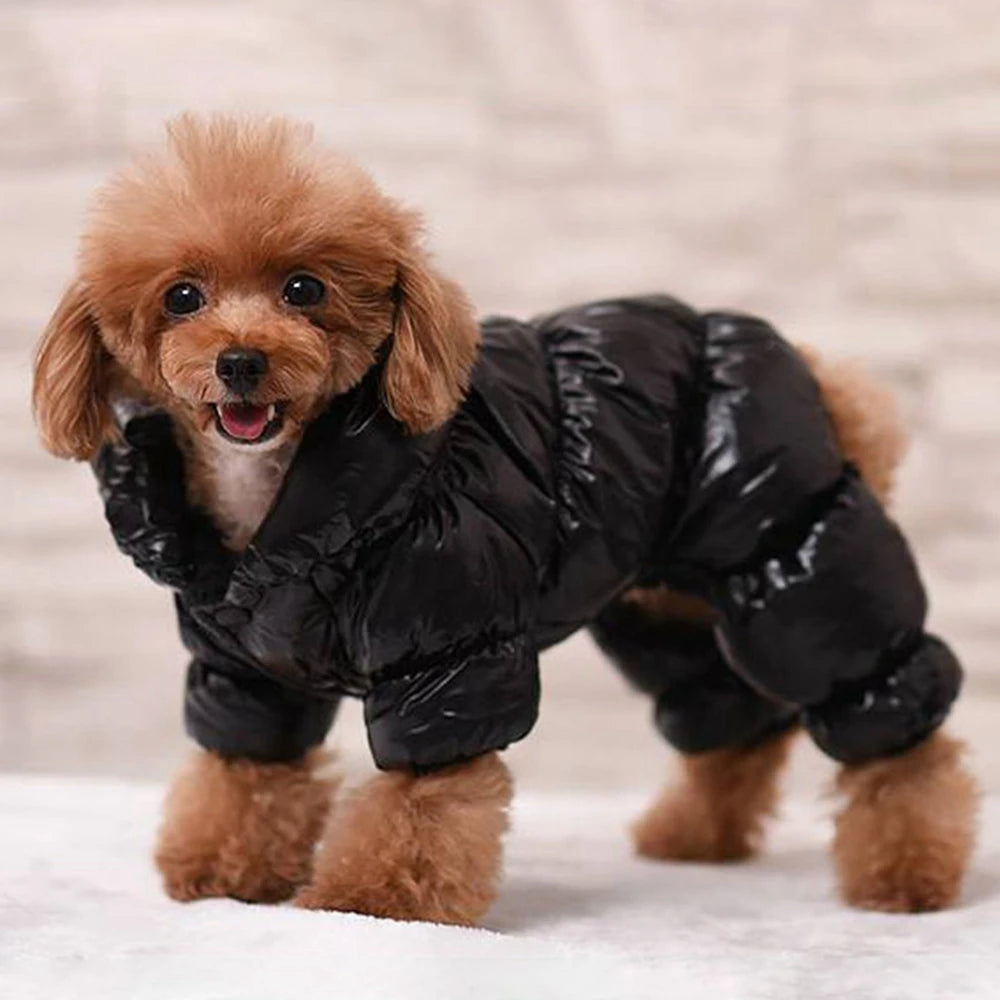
x,y
270,412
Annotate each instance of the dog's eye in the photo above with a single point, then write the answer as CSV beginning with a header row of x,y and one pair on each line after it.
x,y
303,290
182,299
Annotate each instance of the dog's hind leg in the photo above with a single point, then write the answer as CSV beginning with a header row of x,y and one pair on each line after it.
x,y
717,809
905,835
733,739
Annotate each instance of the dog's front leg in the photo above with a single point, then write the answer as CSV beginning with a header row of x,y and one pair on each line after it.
x,y
416,847
241,828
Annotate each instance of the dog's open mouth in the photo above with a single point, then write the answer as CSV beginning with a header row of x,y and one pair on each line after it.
x,y
248,423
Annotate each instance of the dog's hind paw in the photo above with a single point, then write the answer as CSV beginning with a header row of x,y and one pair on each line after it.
x,y
904,838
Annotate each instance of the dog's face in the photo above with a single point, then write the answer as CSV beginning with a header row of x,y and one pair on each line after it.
x,y
240,280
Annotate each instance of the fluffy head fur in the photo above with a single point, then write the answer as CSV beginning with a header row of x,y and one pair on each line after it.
x,y
236,207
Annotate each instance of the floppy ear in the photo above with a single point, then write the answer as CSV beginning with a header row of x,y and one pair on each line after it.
x,y
68,397
434,346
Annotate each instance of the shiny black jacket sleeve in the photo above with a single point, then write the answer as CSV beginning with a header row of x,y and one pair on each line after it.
x,y
443,680
819,600
235,710
230,707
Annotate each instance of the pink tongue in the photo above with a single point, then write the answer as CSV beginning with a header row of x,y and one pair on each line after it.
x,y
243,420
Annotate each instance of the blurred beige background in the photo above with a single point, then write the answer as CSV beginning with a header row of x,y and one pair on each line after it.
x,y
835,166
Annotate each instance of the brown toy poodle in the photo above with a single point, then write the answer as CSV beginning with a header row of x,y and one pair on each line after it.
x,y
243,279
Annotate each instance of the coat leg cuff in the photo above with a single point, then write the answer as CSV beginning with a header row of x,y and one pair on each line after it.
x,y
892,712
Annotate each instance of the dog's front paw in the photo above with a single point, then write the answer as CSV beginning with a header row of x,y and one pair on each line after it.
x,y
241,829
231,868
400,895
416,848
187,877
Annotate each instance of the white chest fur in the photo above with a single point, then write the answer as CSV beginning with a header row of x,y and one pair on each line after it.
x,y
243,484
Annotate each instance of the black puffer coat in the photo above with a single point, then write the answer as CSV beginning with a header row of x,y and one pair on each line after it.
x,y
618,442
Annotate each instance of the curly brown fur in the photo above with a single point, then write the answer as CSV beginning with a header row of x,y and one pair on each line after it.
x,y
865,420
241,829
70,393
416,847
904,839
717,811
234,208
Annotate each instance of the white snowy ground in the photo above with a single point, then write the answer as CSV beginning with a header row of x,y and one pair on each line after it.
x,y
82,916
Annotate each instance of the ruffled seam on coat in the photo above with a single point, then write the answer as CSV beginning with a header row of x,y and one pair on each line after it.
x,y
300,558
575,360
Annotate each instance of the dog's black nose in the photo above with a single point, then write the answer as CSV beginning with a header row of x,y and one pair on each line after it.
x,y
240,369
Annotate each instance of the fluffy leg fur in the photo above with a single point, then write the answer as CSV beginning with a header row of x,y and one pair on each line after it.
x,y
241,829
718,809
416,847
904,838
